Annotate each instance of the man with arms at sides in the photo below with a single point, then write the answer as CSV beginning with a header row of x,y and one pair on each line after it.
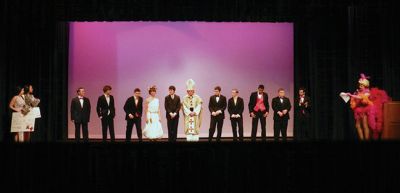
x,y
217,106
259,110
106,112
134,108
235,109
172,106
281,106
80,114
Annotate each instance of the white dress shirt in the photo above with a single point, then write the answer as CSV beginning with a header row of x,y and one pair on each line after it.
x,y
81,101
108,102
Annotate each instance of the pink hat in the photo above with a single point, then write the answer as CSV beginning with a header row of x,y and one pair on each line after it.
x,y
364,80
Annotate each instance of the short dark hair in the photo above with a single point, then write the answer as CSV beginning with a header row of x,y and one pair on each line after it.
x,y
77,91
218,88
107,88
281,89
261,86
303,89
172,88
136,90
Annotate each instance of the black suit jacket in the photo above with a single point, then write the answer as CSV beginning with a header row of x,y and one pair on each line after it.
x,y
278,106
78,113
235,109
214,106
253,101
131,108
172,105
300,108
103,107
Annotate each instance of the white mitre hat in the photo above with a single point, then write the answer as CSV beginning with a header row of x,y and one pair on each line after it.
x,y
190,84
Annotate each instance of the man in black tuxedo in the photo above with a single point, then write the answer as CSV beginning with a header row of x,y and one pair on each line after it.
x,y
80,114
134,108
235,109
106,112
302,116
217,106
259,110
172,106
281,106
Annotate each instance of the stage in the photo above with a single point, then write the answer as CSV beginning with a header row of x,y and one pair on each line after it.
x,y
180,140
328,44
201,166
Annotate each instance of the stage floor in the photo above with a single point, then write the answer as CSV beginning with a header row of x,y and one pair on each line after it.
x,y
224,139
292,166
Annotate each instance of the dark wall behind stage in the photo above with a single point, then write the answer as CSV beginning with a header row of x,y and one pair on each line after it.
x,y
334,42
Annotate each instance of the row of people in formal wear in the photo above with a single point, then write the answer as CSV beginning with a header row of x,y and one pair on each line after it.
x,y
191,107
366,103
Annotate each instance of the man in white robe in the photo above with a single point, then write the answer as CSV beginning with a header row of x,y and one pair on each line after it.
x,y
192,109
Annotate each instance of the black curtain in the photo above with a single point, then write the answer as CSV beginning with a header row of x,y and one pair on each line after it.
x,y
333,45
334,42
34,51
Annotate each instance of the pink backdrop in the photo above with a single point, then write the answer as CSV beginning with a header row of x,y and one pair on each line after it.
x,y
127,55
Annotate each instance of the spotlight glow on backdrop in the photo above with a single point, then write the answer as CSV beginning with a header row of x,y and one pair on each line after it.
x,y
127,55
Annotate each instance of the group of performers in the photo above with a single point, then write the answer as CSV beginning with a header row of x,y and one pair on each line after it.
x,y
191,106
366,103
23,102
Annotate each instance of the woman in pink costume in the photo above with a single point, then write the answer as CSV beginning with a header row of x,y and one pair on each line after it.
x,y
367,105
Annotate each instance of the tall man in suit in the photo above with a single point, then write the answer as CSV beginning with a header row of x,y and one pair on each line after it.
x,y
235,109
217,106
134,108
281,106
80,114
172,106
302,116
259,110
106,112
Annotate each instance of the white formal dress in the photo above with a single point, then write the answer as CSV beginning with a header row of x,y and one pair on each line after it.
x,y
153,129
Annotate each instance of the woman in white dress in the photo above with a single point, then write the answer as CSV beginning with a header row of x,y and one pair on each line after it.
x,y
153,128
17,104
